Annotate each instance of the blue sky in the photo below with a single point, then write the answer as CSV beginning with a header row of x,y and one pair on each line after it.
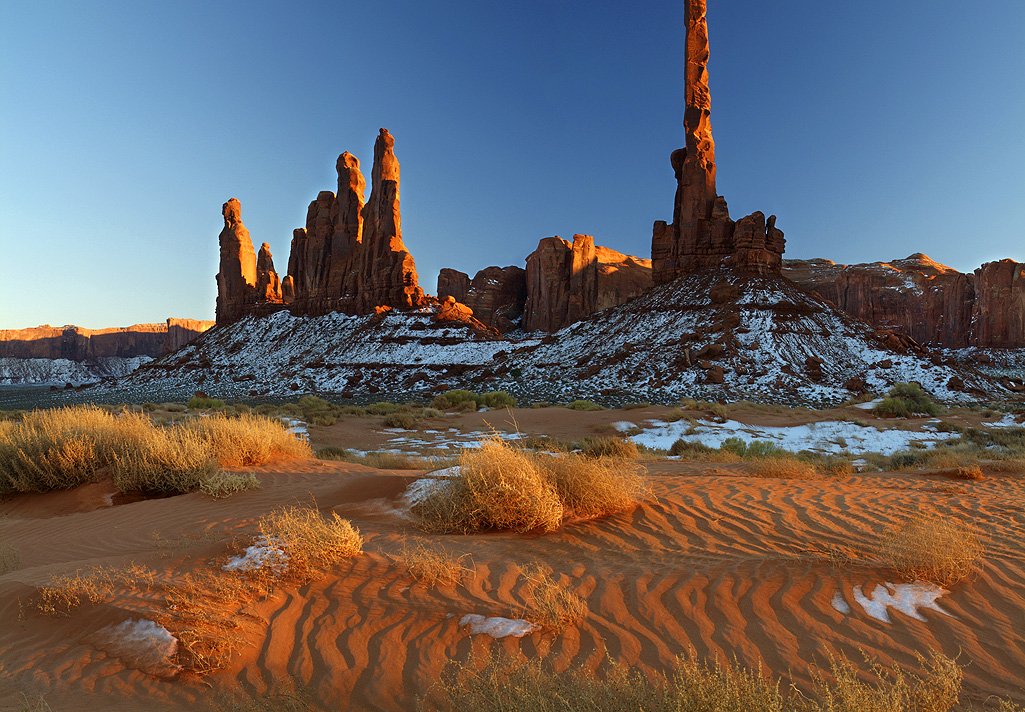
x,y
871,129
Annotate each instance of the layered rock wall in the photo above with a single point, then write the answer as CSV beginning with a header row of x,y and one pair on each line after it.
x,y
998,315
702,236
453,283
497,296
930,302
77,344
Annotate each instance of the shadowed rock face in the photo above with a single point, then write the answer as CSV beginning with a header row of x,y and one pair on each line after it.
x,y
702,236
569,281
236,280
453,283
998,315
497,296
930,302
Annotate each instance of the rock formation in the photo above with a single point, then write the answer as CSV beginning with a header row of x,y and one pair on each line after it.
x,y
562,283
930,302
702,236
620,277
268,286
77,344
998,315
497,296
236,281
350,256
453,283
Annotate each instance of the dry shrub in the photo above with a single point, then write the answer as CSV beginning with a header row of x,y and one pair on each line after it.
x,y
934,688
931,548
547,602
609,447
94,584
433,564
64,447
499,487
248,439
385,460
504,683
783,466
311,542
9,558
225,484
594,488
503,487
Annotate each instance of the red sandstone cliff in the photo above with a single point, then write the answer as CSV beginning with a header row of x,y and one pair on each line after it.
x,y
77,344
928,301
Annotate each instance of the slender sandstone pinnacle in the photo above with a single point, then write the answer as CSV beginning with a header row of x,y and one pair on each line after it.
x,y
236,280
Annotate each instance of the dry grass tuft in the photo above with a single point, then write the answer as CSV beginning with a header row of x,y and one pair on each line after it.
x,y
930,548
433,564
311,542
65,447
784,466
609,447
503,487
594,488
94,584
504,683
9,558
225,484
548,603
286,695
499,488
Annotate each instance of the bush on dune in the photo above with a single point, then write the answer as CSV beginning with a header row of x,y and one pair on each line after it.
x,y
905,400
65,447
503,487
931,548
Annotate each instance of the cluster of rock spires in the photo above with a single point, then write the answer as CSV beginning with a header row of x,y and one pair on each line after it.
x,y
350,257
77,344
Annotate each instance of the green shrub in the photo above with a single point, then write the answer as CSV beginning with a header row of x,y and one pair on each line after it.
x,y
406,421
382,408
332,452
497,399
198,403
441,402
581,404
174,407
904,400
690,449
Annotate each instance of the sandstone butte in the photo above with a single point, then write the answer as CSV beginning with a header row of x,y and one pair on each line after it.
x,y
77,344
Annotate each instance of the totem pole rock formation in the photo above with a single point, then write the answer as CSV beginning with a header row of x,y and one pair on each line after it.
x,y
702,236
387,273
236,281
350,256
268,285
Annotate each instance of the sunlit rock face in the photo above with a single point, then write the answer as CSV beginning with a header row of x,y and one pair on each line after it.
x,y
236,280
702,236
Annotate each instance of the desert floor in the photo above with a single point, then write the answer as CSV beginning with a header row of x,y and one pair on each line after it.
x,y
773,571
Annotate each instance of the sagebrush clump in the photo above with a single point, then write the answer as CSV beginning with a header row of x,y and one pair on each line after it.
x,y
905,400
931,548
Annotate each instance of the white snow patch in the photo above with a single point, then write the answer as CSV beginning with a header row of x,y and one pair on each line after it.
x,y
869,405
840,604
141,644
496,626
439,481
263,552
624,425
905,597
830,436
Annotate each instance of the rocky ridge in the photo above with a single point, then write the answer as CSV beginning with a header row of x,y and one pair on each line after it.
x,y
930,302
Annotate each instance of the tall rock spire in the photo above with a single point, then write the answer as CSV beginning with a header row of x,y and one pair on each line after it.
x,y
236,280
387,274
702,235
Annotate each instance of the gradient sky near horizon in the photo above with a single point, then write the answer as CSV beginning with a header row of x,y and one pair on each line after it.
x,y
872,130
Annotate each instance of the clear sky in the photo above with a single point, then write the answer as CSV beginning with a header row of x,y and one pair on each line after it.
x,y
872,129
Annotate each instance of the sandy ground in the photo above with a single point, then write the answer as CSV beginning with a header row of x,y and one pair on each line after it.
x,y
718,560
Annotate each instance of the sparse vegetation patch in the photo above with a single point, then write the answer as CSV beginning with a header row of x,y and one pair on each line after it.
x,y
931,548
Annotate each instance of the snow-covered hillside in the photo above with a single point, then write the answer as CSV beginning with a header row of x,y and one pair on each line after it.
x,y
60,371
